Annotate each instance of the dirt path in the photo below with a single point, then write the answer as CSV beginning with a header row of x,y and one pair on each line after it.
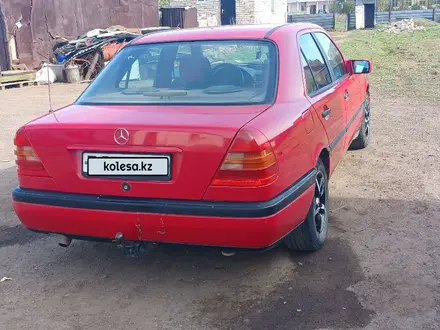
x,y
379,270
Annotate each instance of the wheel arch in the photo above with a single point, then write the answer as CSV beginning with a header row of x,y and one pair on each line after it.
x,y
324,155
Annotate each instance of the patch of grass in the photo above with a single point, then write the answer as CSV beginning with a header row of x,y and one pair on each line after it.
x,y
405,65
341,21
424,22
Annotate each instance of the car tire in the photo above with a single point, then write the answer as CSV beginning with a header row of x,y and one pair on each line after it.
x,y
312,233
363,138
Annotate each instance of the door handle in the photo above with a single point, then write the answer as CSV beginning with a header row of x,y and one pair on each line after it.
x,y
346,95
326,113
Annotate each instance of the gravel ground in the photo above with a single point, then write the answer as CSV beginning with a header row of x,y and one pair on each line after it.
x,y
379,270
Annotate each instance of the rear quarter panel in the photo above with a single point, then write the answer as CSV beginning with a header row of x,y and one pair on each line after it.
x,y
291,124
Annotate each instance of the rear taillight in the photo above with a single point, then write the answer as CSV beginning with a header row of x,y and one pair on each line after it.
x,y
250,162
26,159
25,154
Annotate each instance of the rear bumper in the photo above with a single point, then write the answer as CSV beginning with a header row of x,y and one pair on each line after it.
x,y
231,224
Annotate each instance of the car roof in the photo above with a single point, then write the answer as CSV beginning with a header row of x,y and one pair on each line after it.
x,y
259,31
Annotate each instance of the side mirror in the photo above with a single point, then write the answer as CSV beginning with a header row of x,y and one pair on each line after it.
x,y
359,66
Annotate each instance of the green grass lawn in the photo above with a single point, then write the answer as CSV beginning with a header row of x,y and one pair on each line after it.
x,y
405,65
341,21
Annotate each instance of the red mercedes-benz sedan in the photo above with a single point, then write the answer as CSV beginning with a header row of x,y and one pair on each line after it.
x,y
218,136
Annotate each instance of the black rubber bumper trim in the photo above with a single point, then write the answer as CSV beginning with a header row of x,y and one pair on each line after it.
x,y
168,206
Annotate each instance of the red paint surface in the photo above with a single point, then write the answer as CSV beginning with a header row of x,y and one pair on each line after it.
x,y
214,231
197,138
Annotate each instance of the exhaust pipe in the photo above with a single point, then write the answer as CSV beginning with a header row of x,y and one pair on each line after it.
x,y
65,241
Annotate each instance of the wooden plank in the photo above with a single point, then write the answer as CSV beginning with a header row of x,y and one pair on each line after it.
x,y
20,66
19,84
15,72
92,66
17,77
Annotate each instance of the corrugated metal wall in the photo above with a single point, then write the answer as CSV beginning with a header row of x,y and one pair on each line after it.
x,y
4,51
351,21
327,21
44,19
383,17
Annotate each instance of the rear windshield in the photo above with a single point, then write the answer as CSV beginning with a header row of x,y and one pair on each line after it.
x,y
197,72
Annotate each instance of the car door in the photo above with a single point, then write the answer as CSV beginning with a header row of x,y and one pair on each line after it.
x,y
325,94
348,84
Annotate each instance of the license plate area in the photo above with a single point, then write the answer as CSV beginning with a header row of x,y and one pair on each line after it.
x,y
126,166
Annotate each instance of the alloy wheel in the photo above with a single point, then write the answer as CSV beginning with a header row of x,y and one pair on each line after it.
x,y
367,119
320,210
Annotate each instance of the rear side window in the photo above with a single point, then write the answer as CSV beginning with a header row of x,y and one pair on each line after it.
x,y
315,61
333,55
310,82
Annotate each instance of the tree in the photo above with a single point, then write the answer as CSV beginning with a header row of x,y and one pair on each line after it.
x,y
344,6
164,3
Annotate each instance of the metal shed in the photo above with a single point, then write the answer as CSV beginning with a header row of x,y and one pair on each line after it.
x,y
5,63
35,24
365,11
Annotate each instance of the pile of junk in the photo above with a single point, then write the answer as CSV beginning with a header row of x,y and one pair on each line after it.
x,y
83,58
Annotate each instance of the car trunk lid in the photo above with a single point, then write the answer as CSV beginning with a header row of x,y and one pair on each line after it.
x,y
195,138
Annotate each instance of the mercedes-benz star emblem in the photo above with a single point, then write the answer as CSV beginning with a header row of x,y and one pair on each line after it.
x,y
121,136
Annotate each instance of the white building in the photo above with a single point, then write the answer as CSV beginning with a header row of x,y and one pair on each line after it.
x,y
297,7
224,12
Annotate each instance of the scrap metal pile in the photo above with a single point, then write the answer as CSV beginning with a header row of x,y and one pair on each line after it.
x,y
91,51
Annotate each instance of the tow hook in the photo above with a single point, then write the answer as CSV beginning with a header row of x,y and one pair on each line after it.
x,y
228,253
133,249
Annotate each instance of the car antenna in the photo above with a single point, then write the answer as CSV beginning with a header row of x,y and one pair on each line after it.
x,y
49,91
48,80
